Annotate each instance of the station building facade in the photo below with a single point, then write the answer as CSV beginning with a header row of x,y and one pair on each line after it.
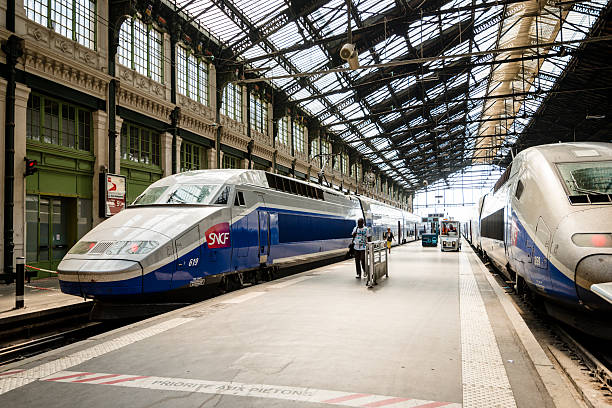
x,y
63,96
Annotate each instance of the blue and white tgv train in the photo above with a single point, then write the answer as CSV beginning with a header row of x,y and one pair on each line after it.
x,y
548,223
205,226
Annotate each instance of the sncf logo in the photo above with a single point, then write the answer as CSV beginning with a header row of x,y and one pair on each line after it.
x,y
218,236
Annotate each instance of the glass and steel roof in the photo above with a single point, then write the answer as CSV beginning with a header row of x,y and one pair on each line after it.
x,y
442,84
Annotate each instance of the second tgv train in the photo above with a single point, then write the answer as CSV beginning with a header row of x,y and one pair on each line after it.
x,y
547,225
210,226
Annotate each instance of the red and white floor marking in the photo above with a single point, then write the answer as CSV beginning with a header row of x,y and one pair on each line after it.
x,y
338,398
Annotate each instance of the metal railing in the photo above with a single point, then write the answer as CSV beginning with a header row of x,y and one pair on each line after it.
x,y
376,262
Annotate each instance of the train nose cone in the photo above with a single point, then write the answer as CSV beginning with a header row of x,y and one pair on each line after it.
x,y
592,270
98,278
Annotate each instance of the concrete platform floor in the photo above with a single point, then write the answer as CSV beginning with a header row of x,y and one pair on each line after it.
x,y
40,294
433,334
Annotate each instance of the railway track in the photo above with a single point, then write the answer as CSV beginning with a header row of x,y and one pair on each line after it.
x,y
577,354
34,333
25,349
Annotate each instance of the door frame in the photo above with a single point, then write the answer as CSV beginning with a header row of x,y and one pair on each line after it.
x,y
71,229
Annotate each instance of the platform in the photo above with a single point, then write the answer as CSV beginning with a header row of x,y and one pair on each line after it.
x,y
433,334
40,295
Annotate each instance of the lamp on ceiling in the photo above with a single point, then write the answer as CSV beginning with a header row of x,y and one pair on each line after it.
x,y
350,55
348,51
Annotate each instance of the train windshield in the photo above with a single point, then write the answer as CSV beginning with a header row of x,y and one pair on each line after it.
x,y
587,177
178,194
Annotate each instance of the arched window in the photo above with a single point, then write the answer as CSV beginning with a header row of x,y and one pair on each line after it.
x,y
299,137
232,102
139,144
314,147
74,19
283,130
259,114
191,156
192,76
141,48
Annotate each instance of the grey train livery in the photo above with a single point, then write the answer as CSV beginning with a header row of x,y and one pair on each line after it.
x,y
200,227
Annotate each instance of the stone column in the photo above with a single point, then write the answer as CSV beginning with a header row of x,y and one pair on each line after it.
x,y
20,18
22,93
212,86
211,158
179,142
100,146
118,125
165,142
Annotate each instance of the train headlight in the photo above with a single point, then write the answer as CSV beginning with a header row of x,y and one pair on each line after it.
x,y
82,247
593,240
132,247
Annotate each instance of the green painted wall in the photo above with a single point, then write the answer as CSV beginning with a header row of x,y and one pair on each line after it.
x,y
138,177
61,172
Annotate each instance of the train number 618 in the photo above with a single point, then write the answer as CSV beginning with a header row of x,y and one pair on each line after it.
x,y
193,261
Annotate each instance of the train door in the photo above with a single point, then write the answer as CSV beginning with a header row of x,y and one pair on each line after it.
x,y
240,230
263,225
188,259
539,258
263,218
399,232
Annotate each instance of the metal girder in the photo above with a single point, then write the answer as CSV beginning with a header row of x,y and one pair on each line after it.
x,y
272,25
449,38
438,101
315,34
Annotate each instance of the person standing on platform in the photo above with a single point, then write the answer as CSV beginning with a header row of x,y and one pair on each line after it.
x,y
389,237
361,235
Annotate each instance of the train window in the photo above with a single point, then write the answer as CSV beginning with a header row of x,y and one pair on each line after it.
x,y
150,196
192,194
223,196
271,180
239,199
590,178
293,186
492,226
519,190
502,180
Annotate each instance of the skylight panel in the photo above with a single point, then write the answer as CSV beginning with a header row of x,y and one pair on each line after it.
x,y
286,36
326,82
378,96
391,48
309,59
368,8
258,11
